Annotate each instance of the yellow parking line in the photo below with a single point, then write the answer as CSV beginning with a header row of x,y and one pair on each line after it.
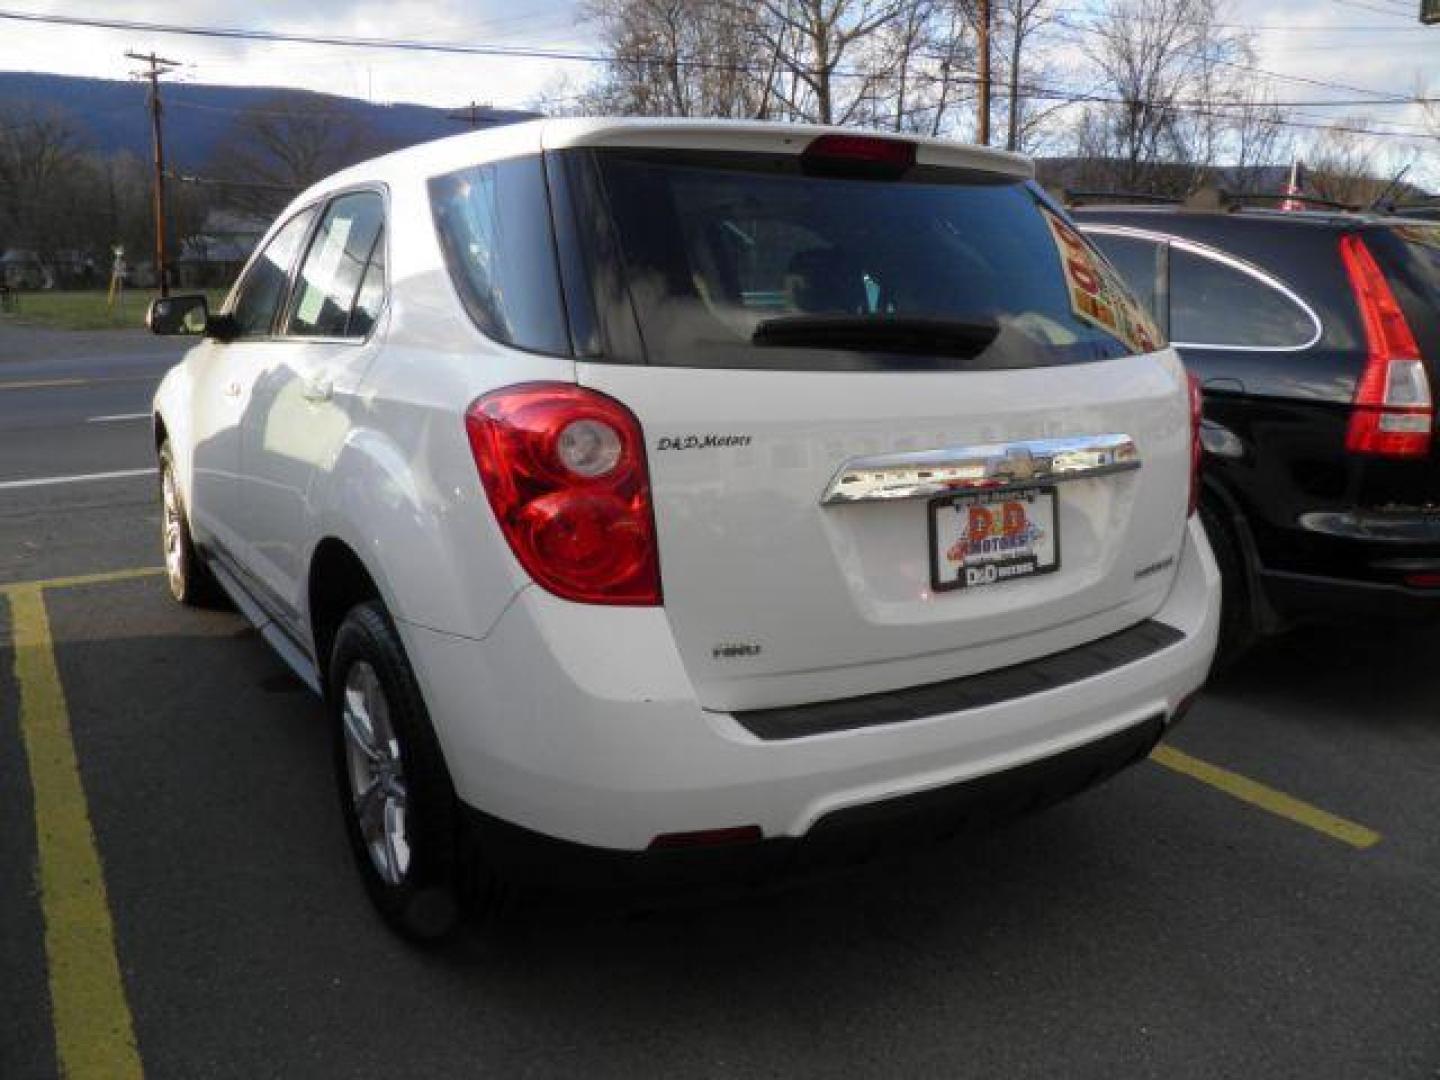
x,y
1267,798
94,1034
102,578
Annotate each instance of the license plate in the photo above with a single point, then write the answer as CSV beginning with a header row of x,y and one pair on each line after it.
x,y
988,537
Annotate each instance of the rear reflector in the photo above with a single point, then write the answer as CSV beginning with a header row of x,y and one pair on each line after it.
x,y
862,153
1393,413
740,834
1428,580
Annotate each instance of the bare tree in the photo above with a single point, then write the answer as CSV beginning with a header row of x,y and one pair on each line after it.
x,y
46,181
827,63
1172,70
285,143
1346,165
1019,22
676,58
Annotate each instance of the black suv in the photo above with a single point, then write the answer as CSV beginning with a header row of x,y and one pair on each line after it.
x,y
1316,338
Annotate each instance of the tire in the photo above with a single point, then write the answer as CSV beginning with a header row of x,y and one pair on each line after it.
x,y
401,814
190,580
1237,610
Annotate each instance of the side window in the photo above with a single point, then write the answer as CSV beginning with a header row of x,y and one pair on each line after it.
x,y
494,227
263,286
335,269
1213,303
1140,264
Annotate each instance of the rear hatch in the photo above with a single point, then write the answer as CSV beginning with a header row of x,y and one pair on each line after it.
x,y
903,424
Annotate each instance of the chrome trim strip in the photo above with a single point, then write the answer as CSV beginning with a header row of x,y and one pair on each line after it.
x,y
924,474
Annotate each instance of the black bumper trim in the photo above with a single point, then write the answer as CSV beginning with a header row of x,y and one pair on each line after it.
x,y
971,692
842,838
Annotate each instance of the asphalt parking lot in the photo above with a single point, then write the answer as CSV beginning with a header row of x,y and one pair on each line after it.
x,y
179,901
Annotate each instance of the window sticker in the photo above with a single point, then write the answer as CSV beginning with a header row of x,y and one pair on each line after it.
x,y
320,278
1098,295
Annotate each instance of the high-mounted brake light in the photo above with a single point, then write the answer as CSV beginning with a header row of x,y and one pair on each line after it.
x,y
1393,413
1197,446
860,150
564,470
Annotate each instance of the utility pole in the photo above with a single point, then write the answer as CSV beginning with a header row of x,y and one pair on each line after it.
x,y
470,114
982,124
158,66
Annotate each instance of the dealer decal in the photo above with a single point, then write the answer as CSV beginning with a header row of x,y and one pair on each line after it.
x,y
700,442
1098,294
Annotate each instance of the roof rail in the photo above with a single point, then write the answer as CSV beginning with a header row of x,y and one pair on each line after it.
x,y
1423,200
1234,200
1080,198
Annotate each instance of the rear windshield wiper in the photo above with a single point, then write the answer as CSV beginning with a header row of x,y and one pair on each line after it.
x,y
878,333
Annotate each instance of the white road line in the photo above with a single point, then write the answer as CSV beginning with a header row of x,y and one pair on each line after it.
x,y
118,417
82,478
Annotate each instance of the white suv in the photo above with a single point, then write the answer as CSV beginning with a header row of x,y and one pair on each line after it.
x,y
728,493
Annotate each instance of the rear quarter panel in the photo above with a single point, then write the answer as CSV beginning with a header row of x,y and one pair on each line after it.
x,y
405,493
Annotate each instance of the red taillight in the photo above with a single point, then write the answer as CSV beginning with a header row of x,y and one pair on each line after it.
x,y
1197,448
863,155
564,469
1393,414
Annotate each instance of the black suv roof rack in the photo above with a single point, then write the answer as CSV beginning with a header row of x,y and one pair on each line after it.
x,y
1204,198
1232,200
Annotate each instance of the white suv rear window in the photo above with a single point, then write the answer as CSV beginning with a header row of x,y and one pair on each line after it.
x,y
748,261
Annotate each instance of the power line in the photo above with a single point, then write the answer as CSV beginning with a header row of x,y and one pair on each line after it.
x,y
1217,109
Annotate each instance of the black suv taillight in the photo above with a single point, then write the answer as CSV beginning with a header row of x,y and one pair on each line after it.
x,y
1393,413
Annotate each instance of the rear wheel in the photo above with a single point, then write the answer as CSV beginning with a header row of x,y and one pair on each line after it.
x,y
400,809
1237,609
189,578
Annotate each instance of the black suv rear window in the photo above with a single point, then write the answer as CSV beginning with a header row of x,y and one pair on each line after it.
x,y
748,261
1422,246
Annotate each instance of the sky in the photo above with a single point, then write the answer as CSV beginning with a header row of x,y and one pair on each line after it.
x,y
1371,45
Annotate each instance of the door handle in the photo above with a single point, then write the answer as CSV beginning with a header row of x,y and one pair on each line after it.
x,y
317,389
232,389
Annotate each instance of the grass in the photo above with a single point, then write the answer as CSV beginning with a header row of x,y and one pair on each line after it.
x,y
87,310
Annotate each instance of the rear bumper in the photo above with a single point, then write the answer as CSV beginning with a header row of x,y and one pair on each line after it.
x,y
1360,570
583,727
1301,597
846,837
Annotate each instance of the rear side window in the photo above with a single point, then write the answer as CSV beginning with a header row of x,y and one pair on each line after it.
x,y
494,227
1217,303
331,275
263,287
749,261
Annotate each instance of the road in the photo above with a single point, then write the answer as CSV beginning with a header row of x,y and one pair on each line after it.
x,y
1159,926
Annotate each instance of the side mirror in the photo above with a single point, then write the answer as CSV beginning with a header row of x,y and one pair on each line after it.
x,y
177,316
